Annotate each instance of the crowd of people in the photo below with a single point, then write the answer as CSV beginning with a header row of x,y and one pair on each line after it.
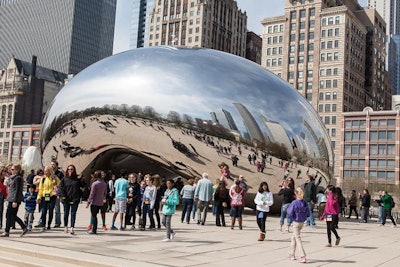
x,y
134,195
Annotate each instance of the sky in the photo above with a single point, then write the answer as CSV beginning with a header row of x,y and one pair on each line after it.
x,y
256,11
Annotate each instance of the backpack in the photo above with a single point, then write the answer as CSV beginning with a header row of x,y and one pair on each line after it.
x,y
392,204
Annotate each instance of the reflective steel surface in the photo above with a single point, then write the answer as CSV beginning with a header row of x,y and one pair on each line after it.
x,y
166,109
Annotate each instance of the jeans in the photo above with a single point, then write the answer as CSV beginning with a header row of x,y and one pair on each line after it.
x,y
187,204
214,208
28,218
167,223
296,240
1,212
310,218
261,218
157,213
131,212
146,210
73,207
220,216
194,210
48,206
355,211
331,227
94,210
387,214
285,215
202,206
57,211
11,217
364,213
380,214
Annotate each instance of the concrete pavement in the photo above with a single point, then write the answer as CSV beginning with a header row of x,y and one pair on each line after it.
x,y
196,245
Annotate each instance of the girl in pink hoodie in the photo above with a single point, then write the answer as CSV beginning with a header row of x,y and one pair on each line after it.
x,y
331,213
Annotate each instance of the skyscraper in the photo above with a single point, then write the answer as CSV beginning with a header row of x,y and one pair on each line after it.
x,y
66,36
216,24
333,53
140,17
390,12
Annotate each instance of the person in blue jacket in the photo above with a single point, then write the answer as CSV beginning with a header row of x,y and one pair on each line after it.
x,y
169,201
299,210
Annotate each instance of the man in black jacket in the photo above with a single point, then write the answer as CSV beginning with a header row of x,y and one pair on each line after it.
x,y
310,196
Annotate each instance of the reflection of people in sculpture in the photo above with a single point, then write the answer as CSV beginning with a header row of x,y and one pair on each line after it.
x,y
235,160
224,169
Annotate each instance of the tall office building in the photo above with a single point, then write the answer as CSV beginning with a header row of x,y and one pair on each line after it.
x,y
390,12
216,24
140,18
333,53
66,36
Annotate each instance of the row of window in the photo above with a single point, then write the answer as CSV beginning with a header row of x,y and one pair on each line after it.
x,y
275,40
328,108
373,123
373,174
327,95
302,13
328,84
329,56
330,21
329,120
359,149
372,163
275,28
373,136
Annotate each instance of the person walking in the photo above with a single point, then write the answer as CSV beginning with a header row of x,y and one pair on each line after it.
x,y
187,194
310,196
57,209
221,197
353,204
14,198
149,199
299,211
97,199
121,191
263,201
70,195
3,194
331,213
47,196
169,202
236,193
365,198
287,191
203,195
388,204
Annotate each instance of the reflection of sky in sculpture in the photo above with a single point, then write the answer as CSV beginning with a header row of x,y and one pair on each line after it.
x,y
188,81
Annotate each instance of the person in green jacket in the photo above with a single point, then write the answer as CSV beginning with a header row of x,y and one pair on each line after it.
x,y
169,201
387,201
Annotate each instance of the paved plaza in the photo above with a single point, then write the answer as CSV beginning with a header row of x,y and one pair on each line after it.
x,y
196,245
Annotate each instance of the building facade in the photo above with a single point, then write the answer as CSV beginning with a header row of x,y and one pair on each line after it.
x,y
26,92
371,147
390,12
253,47
216,24
66,36
140,18
333,53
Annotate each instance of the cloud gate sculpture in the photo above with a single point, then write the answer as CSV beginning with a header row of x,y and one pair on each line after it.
x,y
178,112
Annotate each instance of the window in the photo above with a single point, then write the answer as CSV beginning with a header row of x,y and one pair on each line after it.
x,y
302,13
293,15
334,96
301,59
321,96
337,31
301,48
310,58
311,23
333,132
327,108
322,45
312,11
311,35
327,120
302,36
309,73
302,25
292,37
333,107
327,96
311,47
333,119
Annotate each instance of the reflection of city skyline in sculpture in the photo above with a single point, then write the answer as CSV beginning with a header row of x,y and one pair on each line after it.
x,y
224,118
250,123
130,111
277,133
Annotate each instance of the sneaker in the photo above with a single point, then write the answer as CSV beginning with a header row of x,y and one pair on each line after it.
x,y
122,229
57,226
292,258
5,234
303,260
132,228
48,227
337,242
91,232
328,245
89,227
43,229
72,231
114,228
166,240
172,235
39,225
104,228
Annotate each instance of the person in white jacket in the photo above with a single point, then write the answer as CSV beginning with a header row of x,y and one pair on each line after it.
x,y
263,201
